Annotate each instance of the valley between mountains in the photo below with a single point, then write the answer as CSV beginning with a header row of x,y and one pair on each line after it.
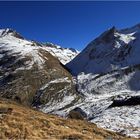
x,y
100,84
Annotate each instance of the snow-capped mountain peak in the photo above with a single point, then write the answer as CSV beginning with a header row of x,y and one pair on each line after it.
x,y
10,32
108,68
65,55
108,52
29,74
14,43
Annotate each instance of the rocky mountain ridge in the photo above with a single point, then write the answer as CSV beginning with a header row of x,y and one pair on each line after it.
x,y
109,68
64,55
30,75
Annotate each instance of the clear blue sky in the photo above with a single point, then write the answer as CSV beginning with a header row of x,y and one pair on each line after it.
x,y
69,24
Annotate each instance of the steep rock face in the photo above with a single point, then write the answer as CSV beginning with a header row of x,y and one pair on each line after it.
x,y
112,50
107,68
30,75
64,55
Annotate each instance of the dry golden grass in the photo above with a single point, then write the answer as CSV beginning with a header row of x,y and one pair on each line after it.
x,y
25,123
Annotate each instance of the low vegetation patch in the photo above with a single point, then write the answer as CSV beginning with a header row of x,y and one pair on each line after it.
x,y
19,122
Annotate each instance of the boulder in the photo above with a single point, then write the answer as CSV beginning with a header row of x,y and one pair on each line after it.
x,y
77,113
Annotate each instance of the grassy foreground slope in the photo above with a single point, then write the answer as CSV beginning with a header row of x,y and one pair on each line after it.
x,y
20,122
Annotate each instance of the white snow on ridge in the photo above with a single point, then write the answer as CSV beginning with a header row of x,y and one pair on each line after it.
x,y
125,37
21,47
24,48
65,55
1,31
104,55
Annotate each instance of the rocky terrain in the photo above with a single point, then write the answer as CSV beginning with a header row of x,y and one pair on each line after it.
x,y
108,75
30,75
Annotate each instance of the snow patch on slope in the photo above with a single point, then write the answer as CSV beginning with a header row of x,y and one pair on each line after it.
x,y
60,80
56,106
125,120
